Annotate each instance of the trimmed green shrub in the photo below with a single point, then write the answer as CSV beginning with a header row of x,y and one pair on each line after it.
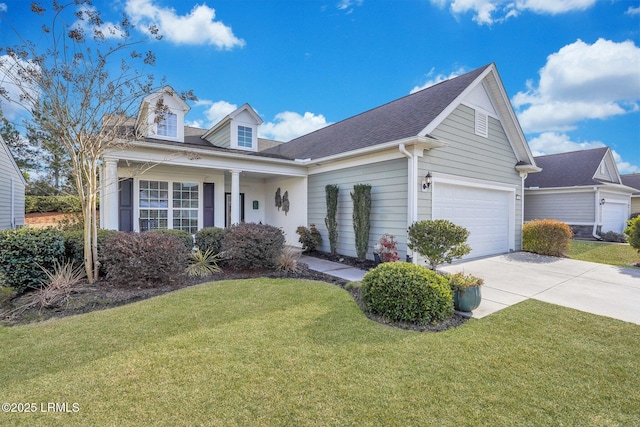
x,y
64,204
22,250
251,245
184,236
633,233
439,241
309,237
331,220
74,246
361,198
546,237
210,239
404,292
144,259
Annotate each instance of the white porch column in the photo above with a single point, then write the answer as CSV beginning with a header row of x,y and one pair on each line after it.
x,y
235,196
109,202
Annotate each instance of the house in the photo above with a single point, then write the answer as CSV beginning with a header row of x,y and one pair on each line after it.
x,y
452,151
12,186
581,188
633,181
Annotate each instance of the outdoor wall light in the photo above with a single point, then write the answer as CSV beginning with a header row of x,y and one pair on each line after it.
x,y
426,182
602,201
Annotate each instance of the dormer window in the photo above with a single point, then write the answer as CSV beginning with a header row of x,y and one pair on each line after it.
x,y
245,137
161,116
168,126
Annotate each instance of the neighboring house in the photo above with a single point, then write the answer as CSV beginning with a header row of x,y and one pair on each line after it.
x,y
452,151
581,188
633,181
12,186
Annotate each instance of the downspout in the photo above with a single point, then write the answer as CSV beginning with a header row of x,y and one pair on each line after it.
x,y
523,176
13,204
412,171
597,215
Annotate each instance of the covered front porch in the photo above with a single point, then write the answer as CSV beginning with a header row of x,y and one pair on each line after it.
x,y
189,191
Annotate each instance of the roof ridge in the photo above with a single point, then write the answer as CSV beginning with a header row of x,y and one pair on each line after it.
x,y
393,101
572,152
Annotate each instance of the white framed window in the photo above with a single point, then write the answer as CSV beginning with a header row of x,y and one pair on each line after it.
x,y
160,208
154,205
185,206
168,126
245,137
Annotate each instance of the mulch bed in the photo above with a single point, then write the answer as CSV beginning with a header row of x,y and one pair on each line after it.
x,y
103,295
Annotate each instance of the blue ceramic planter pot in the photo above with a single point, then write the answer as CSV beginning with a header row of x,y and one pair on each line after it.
x,y
467,300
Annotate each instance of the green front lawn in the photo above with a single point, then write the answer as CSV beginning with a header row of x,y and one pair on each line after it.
x,y
622,255
285,352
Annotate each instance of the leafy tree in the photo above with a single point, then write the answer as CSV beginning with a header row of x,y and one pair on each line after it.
x,y
439,241
21,149
55,163
81,82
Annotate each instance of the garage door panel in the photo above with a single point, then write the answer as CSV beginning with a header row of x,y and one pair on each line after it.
x,y
485,213
614,216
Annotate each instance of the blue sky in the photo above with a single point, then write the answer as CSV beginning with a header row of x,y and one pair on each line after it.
x,y
571,68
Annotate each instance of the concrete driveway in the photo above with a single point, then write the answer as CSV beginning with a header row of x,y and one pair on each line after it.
x,y
595,288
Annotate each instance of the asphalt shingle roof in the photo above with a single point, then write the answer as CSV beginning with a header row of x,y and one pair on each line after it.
x,y
403,118
576,168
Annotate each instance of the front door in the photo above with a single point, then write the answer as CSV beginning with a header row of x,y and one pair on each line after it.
x,y
227,209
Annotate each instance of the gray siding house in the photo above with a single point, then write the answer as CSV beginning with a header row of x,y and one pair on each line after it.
x,y
452,151
633,181
12,186
581,188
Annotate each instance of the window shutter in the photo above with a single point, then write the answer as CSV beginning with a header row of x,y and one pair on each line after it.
x,y
482,124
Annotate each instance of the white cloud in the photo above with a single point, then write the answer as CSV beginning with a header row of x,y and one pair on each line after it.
x,y
3,7
552,143
433,79
633,10
198,27
487,12
581,82
553,7
348,5
288,125
217,110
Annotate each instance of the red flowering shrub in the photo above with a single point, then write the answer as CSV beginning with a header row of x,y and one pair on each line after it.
x,y
387,248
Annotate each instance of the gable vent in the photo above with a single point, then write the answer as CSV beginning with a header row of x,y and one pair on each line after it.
x,y
482,124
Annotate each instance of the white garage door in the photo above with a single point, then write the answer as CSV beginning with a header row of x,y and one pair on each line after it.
x,y
484,212
614,216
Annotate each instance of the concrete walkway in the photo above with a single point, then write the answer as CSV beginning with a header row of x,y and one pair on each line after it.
x,y
335,269
509,279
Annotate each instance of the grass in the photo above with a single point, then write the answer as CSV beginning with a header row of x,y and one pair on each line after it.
x,y
301,353
621,255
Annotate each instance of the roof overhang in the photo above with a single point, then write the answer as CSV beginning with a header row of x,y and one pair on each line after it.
x,y
619,188
199,152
